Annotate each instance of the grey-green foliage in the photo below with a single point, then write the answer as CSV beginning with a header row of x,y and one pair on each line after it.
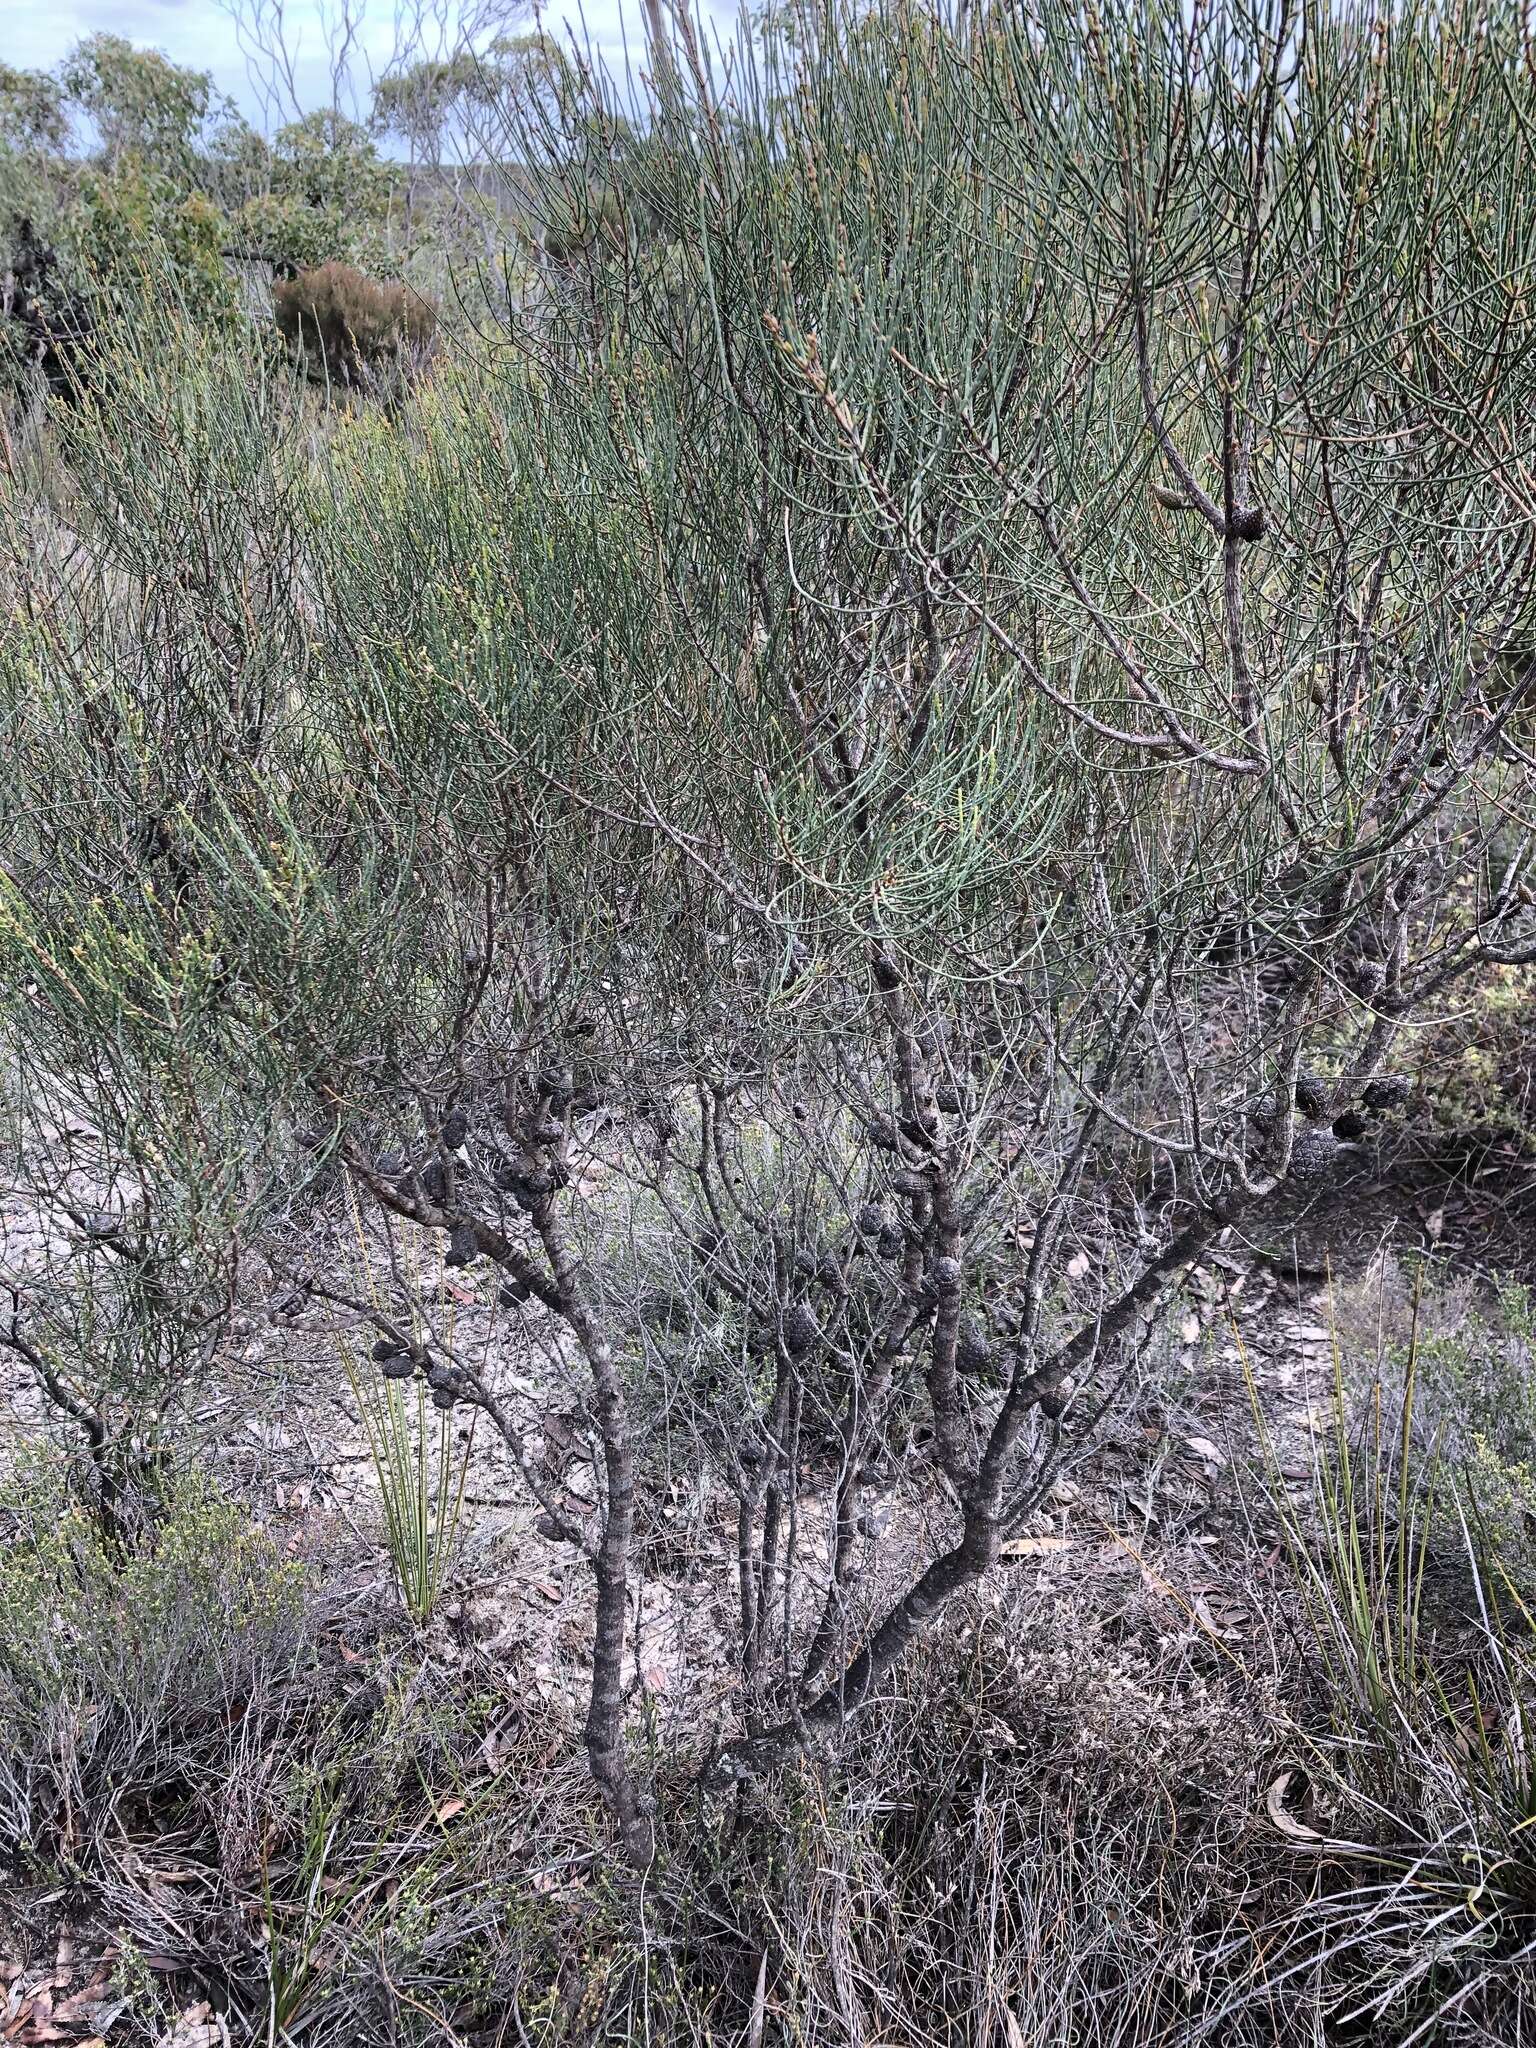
x,y
933,395
1415,1642
137,102
32,111
595,569
1012,530
1465,1351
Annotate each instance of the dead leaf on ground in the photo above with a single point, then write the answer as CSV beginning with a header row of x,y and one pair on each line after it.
x,y
1222,1615
199,2027
1287,1823
759,2005
1034,1546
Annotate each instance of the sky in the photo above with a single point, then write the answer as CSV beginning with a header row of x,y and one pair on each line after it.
x,y
35,34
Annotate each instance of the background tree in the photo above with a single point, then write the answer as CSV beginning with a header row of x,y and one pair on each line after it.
x,y
324,195
137,102
33,118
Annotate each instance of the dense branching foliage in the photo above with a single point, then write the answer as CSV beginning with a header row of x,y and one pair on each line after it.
x,y
345,330
919,723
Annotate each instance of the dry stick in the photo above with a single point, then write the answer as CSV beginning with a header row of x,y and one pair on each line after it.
x,y
866,1401
867,1396
415,1207
564,1288
920,1107
606,1749
762,1497
983,1514
939,1222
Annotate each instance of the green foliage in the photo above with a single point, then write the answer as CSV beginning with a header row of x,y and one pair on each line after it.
x,y
291,233
426,104
330,163
189,456
236,165
1478,1396
1470,1353
327,196
170,1693
177,178
969,825
147,248
1477,1066
116,1661
32,111
317,193
1413,1607
588,225
471,103
34,135
139,103
421,1471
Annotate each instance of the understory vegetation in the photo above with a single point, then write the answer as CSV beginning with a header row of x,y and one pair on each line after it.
x,y
688,942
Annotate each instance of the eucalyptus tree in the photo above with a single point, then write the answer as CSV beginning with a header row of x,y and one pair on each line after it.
x,y
137,102
33,120
891,768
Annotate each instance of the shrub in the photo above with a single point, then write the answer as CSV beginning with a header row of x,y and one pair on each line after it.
x,y
148,248
348,330
127,1670
1040,1768
1461,1354
1477,1071
1411,1721
927,684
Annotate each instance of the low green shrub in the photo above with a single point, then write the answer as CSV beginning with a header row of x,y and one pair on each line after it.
x,y
1477,1074
1461,1353
126,1670
1415,1733
421,1469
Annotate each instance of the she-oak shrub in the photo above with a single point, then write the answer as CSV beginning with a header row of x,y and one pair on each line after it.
x,y
975,650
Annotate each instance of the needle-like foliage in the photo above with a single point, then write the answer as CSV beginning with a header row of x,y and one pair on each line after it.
x,y
972,640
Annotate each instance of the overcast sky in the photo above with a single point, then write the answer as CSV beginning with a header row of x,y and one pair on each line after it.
x,y
37,33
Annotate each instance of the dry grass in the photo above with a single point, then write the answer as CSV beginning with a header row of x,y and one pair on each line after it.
x,y
1060,1826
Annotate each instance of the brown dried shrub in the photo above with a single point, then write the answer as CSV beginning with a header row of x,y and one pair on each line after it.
x,y
346,328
